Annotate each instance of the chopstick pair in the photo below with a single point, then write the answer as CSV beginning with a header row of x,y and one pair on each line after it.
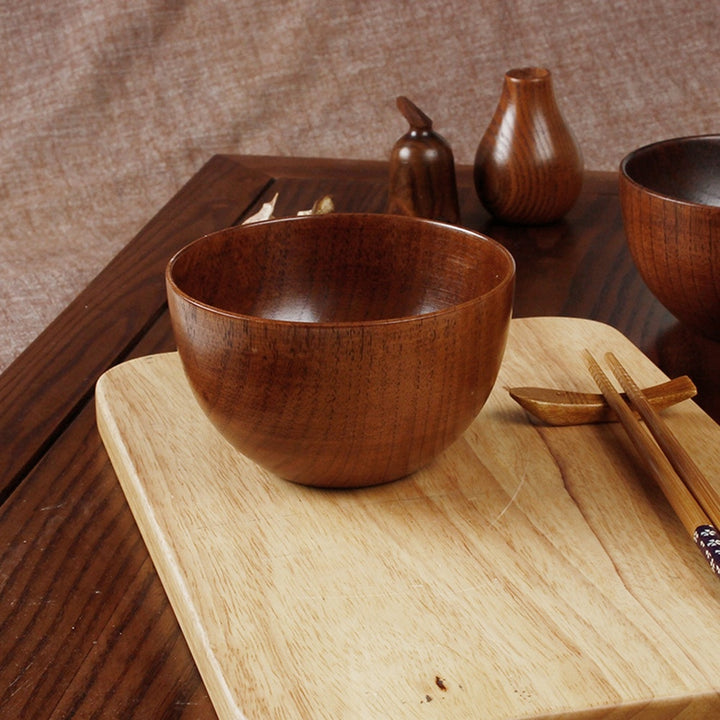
x,y
692,497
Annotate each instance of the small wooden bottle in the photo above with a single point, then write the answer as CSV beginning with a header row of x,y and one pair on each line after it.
x,y
422,171
528,166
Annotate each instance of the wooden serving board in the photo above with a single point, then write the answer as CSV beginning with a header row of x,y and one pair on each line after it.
x,y
529,572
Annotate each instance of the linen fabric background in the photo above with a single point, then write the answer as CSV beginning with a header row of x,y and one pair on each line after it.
x,y
108,106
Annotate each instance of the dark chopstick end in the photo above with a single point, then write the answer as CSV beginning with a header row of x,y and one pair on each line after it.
x,y
707,539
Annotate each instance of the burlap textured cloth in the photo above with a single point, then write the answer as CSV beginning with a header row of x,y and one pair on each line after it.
x,y
107,107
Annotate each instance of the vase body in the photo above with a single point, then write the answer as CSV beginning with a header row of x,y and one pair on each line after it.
x,y
528,166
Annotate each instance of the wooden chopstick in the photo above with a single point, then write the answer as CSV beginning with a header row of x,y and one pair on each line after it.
x,y
678,456
683,502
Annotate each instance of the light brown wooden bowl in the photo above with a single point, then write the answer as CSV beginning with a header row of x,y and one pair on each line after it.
x,y
670,195
341,350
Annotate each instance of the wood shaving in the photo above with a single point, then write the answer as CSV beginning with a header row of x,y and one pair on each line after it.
x,y
264,213
323,206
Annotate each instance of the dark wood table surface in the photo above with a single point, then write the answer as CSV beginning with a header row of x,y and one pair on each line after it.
x,y
86,629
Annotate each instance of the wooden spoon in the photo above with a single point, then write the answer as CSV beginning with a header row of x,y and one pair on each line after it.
x,y
565,407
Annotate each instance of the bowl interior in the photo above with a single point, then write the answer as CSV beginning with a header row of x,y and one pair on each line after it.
x,y
685,169
340,268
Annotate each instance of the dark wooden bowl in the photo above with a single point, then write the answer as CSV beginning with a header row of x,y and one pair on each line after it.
x,y
341,350
670,195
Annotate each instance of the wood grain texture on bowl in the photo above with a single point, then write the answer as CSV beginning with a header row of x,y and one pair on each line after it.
x,y
342,350
670,196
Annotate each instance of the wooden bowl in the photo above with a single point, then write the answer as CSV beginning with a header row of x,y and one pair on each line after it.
x,y
670,196
341,350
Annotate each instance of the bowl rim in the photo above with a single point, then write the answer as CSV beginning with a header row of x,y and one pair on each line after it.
x,y
503,281
660,143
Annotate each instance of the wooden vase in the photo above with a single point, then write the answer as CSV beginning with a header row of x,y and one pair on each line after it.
x,y
528,165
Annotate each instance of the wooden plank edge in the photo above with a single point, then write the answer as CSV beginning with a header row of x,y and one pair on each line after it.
x,y
595,181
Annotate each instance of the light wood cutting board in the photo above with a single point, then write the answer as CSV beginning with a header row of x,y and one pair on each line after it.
x,y
529,572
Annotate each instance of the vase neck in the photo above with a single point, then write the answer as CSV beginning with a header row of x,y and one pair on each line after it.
x,y
529,81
